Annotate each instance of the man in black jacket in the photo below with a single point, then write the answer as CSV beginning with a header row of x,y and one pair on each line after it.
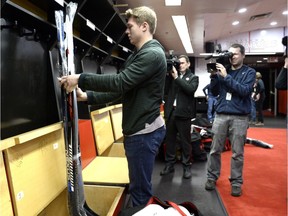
x,y
179,109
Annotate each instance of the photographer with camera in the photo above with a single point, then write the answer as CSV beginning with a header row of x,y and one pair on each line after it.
x,y
234,86
179,109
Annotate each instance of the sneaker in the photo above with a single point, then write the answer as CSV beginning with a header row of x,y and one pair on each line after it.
x,y
210,185
259,124
236,191
167,170
187,173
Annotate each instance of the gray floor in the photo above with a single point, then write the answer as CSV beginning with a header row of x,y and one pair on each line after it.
x,y
177,189
173,187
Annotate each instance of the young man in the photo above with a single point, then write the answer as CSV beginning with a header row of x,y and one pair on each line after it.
x,y
234,87
179,109
141,85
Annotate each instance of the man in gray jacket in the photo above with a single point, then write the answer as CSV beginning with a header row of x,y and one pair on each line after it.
x,y
140,84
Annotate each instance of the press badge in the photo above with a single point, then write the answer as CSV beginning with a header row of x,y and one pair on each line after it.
x,y
228,96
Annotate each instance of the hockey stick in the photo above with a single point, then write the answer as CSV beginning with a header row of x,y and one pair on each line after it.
x,y
76,200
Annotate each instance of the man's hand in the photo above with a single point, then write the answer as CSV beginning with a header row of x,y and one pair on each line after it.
x,y
69,82
81,96
174,73
221,70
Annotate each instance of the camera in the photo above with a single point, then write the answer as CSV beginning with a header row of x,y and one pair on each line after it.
x,y
222,58
173,61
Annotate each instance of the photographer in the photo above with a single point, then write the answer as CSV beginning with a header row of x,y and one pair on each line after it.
x,y
179,109
234,86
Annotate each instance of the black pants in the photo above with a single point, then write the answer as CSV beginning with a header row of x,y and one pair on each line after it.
x,y
174,126
259,107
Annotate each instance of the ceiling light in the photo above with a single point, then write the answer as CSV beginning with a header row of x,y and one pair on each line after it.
x,y
173,2
181,26
273,23
242,10
285,12
235,22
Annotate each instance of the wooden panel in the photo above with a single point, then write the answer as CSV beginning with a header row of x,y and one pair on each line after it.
x,y
116,118
58,207
107,170
36,172
7,143
115,150
103,200
5,200
102,128
22,138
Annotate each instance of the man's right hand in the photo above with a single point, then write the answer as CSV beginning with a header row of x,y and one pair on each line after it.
x,y
174,73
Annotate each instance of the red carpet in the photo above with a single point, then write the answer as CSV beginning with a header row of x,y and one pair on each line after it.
x,y
265,177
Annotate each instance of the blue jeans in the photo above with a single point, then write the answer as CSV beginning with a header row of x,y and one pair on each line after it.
x,y
235,128
141,151
211,111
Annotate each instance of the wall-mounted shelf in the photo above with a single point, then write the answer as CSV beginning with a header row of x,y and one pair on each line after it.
x,y
95,24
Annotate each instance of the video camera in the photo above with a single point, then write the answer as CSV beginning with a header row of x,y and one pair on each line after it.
x,y
222,58
173,61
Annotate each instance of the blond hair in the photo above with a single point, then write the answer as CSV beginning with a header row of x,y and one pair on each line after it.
x,y
143,14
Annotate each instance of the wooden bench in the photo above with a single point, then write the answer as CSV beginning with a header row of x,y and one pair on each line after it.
x,y
35,163
107,130
110,166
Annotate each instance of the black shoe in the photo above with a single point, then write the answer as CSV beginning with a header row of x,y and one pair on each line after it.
x,y
167,170
236,191
187,173
210,185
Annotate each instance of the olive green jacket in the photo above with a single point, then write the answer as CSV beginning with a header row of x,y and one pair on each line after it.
x,y
140,84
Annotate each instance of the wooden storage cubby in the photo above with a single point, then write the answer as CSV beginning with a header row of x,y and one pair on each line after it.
x,y
103,200
39,16
36,169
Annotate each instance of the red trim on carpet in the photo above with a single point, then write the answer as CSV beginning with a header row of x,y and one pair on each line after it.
x,y
265,177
